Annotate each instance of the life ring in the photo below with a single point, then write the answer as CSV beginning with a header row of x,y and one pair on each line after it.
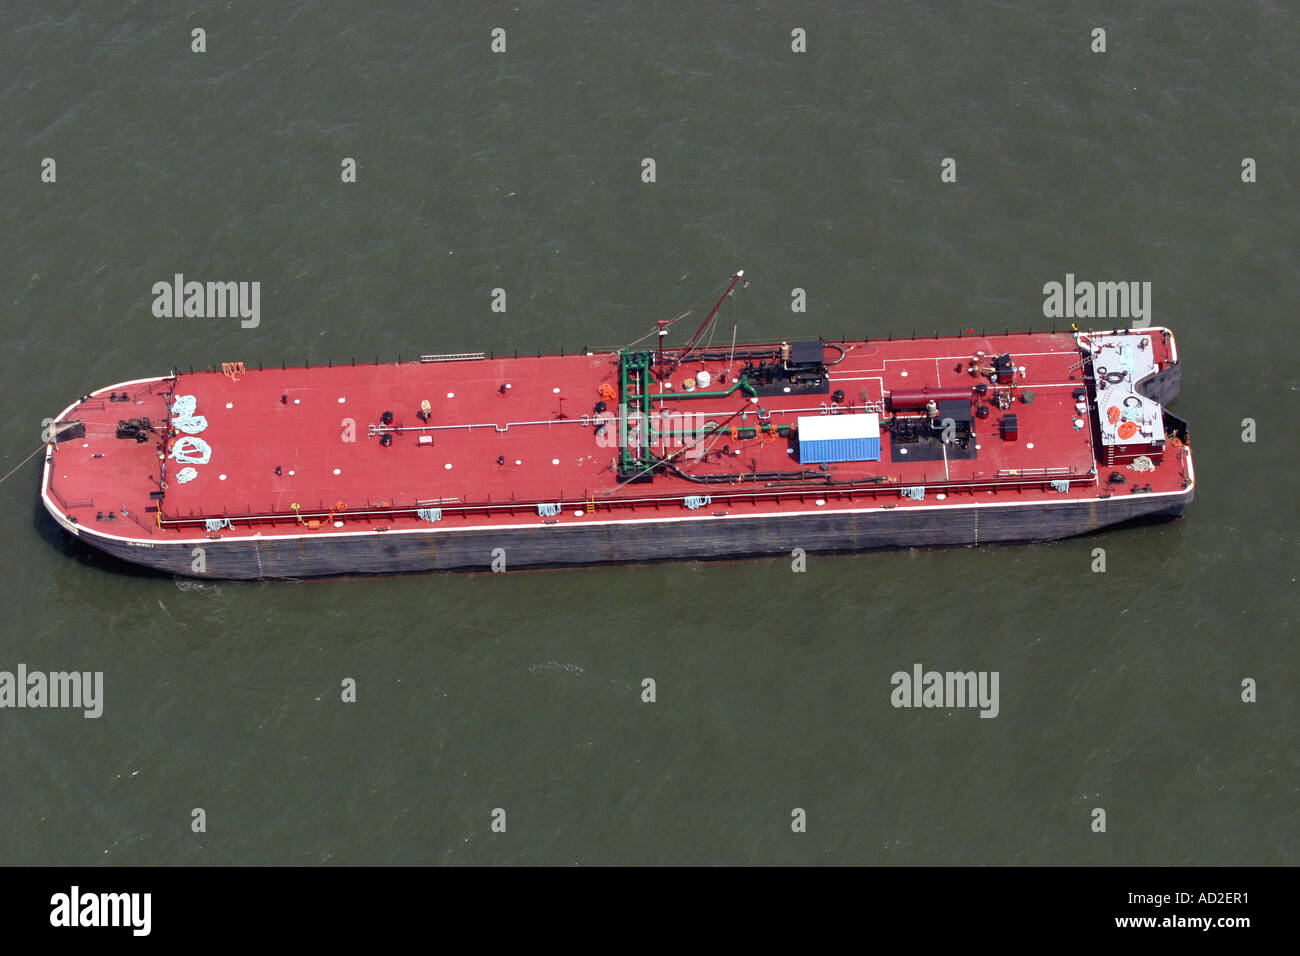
x,y
1112,414
1128,430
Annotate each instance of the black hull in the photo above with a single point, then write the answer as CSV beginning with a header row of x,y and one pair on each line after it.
x,y
445,549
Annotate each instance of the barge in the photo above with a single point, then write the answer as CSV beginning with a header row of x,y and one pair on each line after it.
x,y
469,461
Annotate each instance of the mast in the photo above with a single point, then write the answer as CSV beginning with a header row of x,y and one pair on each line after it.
x,y
740,274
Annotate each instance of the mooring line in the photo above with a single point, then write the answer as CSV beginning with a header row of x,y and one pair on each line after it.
x,y
24,461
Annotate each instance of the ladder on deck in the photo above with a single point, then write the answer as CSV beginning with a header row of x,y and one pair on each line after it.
x,y
453,357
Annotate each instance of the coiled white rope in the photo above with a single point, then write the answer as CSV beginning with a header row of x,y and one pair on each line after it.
x,y
191,451
183,417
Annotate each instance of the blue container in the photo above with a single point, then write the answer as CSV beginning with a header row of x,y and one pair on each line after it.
x,y
829,450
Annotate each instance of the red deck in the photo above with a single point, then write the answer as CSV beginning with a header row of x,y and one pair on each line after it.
x,y
496,453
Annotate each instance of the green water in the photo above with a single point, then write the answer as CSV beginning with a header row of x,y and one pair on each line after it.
x,y
522,170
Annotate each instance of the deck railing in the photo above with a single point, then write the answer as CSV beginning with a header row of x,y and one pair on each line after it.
x,y
590,501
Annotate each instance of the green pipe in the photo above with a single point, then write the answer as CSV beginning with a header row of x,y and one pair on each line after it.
x,y
638,364
622,408
782,430
644,385
742,383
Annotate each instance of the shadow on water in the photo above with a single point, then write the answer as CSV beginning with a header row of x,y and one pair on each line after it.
x,y
48,530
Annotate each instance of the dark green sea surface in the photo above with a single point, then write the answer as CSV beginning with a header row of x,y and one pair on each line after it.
x,y
522,170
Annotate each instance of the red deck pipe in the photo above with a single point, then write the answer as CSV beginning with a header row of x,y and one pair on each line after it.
x,y
917,397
